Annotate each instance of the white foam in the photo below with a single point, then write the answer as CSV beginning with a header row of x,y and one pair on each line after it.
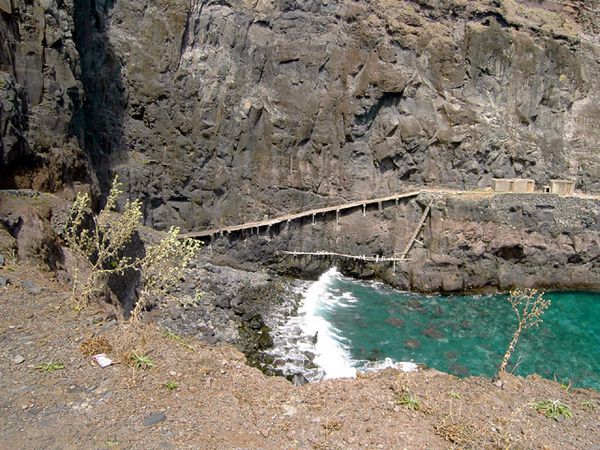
x,y
295,339
331,356
389,363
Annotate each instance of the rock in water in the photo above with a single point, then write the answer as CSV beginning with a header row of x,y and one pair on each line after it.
x,y
394,321
412,344
299,380
432,332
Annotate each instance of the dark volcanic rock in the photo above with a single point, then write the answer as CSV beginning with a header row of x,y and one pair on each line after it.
x,y
223,112
155,418
40,97
31,287
384,95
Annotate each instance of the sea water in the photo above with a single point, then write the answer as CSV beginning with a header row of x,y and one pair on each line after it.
x,y
343,326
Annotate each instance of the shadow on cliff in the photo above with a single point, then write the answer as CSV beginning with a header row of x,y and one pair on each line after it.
x,y
99,125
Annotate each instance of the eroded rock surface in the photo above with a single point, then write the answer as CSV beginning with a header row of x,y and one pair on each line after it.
x,y
222,112
40,97
239,109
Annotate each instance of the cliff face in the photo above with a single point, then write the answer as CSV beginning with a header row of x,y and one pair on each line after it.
x,y
473,242
224,111
40,97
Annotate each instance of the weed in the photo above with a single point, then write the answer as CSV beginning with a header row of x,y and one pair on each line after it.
x,y
12,256
409,401
552,409
332,425
459,432
528,305
175,337
141,361
171,385
588,405
50,366
454,395
95,345
564,383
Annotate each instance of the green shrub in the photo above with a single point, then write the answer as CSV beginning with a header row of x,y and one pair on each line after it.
x,y
409,401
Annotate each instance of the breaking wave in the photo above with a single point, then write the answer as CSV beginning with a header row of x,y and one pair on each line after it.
x,y
309,345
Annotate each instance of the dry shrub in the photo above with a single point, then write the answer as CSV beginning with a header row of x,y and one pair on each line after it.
x,y
528,305
100,240
460,432
332,425
163,266
95,345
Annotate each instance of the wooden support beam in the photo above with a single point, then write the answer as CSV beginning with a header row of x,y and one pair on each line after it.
x,y
414,236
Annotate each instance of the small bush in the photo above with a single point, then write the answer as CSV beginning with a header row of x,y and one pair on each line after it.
x,y
100,240
163,267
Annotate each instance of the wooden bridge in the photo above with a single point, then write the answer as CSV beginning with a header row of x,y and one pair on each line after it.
x,y
210,233
289,217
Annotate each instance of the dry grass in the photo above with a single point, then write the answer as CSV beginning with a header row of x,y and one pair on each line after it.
x,y
460,432
95,345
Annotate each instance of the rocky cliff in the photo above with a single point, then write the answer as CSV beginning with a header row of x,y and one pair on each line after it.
x,y
469,242
41,97
223,111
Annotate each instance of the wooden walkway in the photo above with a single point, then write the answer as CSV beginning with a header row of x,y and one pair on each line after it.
x,y
377,259
289,217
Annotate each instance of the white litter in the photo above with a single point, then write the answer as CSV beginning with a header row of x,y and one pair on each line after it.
x,y
102,360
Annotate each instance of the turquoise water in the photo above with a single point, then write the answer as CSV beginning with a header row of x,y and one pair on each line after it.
x,y
464,335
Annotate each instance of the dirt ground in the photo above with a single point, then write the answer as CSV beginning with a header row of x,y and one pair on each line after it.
x,y
215,401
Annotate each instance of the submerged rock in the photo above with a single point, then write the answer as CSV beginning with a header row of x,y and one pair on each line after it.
x,y
412,344
433,332
394,321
